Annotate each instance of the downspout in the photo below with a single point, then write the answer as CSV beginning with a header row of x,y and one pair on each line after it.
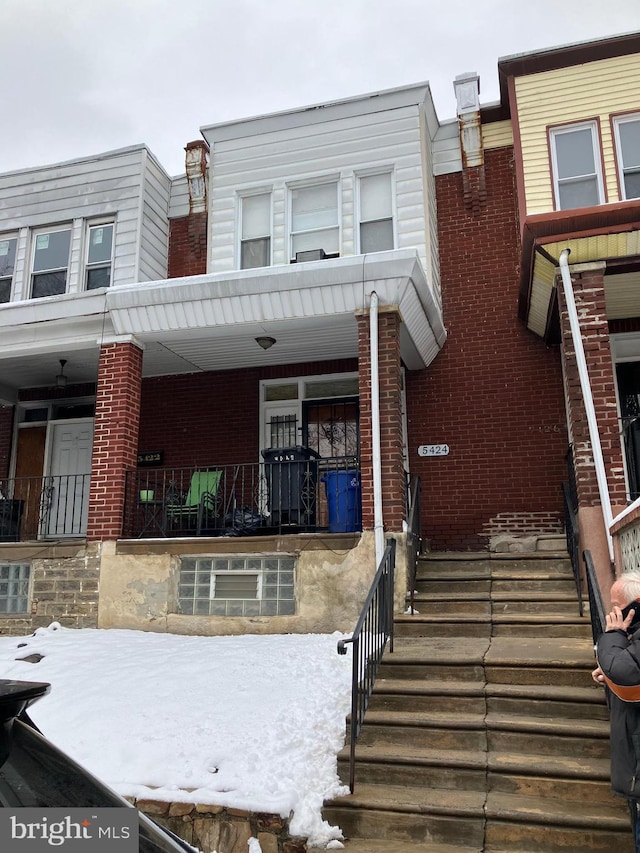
x,y
585,386
378,525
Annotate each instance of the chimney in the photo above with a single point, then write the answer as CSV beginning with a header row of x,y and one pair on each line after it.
x,y
196,162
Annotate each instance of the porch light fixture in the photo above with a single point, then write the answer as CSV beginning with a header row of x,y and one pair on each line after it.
x,y
265,342
61,379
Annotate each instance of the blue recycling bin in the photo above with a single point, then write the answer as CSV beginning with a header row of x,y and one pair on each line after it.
x,y
344,501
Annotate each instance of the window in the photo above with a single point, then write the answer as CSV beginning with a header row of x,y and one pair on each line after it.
x,y
236,586
7,264
576,166
314,219
376,213
255,231
99,252
627,134
50,263
14,588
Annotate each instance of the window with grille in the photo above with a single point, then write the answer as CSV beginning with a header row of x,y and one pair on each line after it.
x,y
236,586
14,588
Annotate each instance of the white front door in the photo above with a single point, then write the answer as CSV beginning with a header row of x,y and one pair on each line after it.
x,y
66,497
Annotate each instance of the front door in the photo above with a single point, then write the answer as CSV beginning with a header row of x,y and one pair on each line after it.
x,y
66,500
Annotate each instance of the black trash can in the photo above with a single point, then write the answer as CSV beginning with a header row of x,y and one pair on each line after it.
x,y
10,517
292,474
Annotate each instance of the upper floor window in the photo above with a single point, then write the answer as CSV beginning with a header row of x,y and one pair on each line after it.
x,y
50,262
255,231
376,213
627,133
577,173
7,264
314,218
99,253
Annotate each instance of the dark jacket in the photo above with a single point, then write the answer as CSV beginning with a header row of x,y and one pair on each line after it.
x,y
619,658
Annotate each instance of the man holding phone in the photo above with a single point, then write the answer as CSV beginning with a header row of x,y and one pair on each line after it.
x,y
618,655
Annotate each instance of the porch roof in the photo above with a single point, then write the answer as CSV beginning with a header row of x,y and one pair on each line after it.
x,y
210,322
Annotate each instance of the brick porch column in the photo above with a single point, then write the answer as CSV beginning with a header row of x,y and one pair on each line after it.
x,y
588,287
390,382
115,442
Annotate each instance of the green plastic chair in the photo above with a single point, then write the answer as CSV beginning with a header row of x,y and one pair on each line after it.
x,y
200,504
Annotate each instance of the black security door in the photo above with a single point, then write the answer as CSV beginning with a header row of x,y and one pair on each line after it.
x,y
628,376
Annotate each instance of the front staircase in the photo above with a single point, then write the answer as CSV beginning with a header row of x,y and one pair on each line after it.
x,y
485,732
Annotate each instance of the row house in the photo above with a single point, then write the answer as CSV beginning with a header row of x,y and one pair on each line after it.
x,y
221,392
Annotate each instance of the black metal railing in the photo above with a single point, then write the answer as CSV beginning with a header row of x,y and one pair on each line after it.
x,y
596,607
572,534
414,539
43,507
290,491
369,640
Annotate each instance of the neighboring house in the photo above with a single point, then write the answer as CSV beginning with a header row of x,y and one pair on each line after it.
x,y
164,344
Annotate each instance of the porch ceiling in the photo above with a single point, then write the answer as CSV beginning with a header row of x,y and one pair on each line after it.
x,y
622,288
210,322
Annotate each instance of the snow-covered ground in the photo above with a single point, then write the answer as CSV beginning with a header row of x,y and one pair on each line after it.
x,y
251,722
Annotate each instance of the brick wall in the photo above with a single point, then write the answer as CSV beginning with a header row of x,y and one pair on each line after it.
x,y
213,417
115,443
494,394
588,291
188,245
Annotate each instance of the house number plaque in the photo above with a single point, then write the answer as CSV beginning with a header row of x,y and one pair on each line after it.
x,y
433,450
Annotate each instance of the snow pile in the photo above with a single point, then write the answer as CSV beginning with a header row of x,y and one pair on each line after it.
x,y
250,722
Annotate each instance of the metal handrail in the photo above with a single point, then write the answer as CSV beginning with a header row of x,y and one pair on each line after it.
x,y
573,541
596,607
414,540
369,639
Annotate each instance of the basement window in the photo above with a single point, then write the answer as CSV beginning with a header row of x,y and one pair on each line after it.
x,y
14,588
236,586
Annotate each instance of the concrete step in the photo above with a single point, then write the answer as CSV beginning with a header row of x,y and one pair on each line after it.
x,y
543,625
454,816
564,776
465,697
369,845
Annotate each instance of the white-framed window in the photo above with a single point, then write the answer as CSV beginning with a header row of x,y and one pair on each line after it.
x,y
7,265
576,164
14,588
50,261
237,586
314,218
375,199
99,256
627,137
255,231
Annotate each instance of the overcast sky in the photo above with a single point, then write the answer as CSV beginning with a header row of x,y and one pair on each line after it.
x,y
85,76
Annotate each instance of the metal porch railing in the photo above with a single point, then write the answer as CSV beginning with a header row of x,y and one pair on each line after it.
x,y
285,493
414,539
596,607
369,639
572,533
43,507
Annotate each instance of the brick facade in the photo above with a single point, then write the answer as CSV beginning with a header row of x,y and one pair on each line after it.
x,y
188,245
115,443
588,289
494,394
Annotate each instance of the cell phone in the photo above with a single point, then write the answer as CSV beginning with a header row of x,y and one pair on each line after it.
x,y
634,605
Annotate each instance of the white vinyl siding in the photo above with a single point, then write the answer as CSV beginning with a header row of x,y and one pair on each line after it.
x,y
575,157
627,137
126,187
318,152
